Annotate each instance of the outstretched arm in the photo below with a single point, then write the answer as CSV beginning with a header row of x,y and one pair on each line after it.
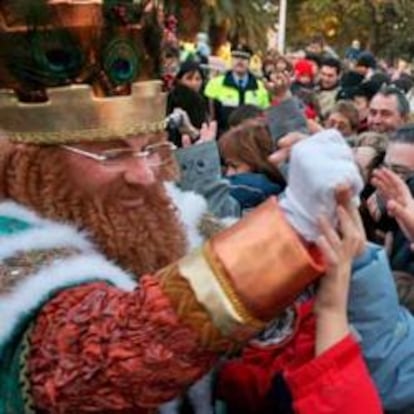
x,y
337,378
97,347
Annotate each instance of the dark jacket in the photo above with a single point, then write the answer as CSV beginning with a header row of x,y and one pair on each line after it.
x,y
251,189
195,104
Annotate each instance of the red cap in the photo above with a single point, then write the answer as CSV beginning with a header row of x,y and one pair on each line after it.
x,y
304,67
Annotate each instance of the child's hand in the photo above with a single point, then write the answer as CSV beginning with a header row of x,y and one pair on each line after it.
x,y
339,248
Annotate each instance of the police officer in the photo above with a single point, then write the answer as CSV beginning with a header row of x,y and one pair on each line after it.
x,y
236,87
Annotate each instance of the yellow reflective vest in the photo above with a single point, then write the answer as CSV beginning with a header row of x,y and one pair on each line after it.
x,y
229,95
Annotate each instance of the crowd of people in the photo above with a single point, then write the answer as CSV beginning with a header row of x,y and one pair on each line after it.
x,y
260,118
226,242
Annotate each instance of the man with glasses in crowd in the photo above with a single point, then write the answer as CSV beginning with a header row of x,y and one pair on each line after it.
x,y
399,158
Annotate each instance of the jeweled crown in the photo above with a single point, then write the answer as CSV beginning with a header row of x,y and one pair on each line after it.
x,y
73,70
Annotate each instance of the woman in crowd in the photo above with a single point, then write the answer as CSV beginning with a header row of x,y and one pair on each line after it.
x,y
273,68
187,96
245,150
369,152
345,118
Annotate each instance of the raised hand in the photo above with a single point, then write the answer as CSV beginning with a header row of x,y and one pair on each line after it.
x,y
279,84
284,145
313,126
208,132
399,201
339,247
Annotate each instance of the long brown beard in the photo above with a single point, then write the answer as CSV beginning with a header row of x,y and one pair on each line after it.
x,y
142,240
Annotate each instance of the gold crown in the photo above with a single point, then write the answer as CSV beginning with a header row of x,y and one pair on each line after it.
x,y
73,70
74,114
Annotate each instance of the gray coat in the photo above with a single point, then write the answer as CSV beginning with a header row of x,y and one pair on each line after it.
x,y
386,329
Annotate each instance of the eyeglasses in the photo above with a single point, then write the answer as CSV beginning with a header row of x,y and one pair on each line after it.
x,y
155,155
403,172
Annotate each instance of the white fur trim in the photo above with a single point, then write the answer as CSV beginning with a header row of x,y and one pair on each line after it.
x,y
12,209
44,234
65,272
191,208
51,237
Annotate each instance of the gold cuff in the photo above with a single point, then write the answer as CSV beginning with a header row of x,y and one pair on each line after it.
x,y
192,312
264,262
213,292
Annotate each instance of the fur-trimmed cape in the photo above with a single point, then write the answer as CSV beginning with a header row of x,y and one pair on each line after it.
x,y
84,263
